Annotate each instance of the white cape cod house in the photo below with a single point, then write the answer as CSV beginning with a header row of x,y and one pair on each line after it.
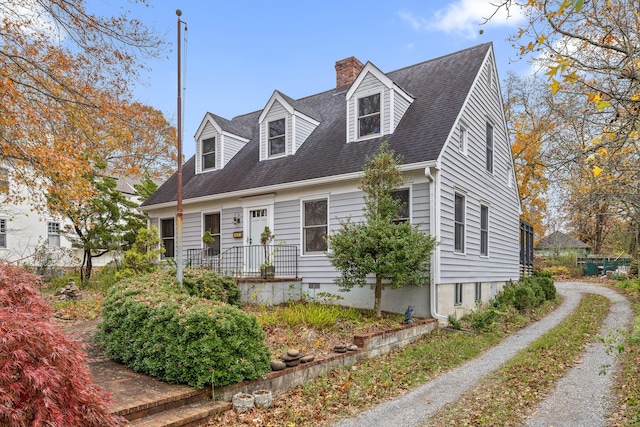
x,y
294,166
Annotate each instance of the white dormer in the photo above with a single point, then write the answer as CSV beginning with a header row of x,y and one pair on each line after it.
x,y
284,126
375,105
217,141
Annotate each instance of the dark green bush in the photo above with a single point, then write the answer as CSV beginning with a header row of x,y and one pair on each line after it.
x,y
525,298
154,326
210,285
484,319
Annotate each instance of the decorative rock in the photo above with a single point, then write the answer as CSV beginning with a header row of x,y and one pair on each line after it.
x,y
288,358
293,352
277,365
340,348
352,347
242,402
262,398
307,359
292,363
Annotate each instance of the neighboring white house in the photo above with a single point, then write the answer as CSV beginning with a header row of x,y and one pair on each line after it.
x,y
31,237
295,166
28,236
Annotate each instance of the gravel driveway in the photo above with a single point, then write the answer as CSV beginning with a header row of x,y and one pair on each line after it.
x,y
581,398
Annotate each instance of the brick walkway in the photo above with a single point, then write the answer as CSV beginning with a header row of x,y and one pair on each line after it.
x,y
131,392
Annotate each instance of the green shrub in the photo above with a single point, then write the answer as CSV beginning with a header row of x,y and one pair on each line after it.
x,y
484,319
154,326
548,287
210,285
525,298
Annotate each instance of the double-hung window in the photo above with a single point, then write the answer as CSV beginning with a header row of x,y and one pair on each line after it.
x,y
484,230
402,196
277,129
3,233
212,225
315,225
489,152
459,223
167,235
369,115
209,153
53,234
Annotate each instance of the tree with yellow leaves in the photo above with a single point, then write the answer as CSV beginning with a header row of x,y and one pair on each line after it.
x,y
531,126
65,97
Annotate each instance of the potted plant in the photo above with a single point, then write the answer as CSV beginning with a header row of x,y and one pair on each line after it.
x,y
208,240
267,269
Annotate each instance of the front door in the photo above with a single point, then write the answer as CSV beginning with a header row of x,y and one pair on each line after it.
x,y
258,220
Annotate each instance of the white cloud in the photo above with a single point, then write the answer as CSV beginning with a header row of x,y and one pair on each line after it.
x,y
464,17
31,18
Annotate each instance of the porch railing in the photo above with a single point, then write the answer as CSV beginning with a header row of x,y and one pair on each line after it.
x,y
271,261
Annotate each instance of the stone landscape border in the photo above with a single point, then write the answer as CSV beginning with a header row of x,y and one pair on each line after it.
x,y
369,345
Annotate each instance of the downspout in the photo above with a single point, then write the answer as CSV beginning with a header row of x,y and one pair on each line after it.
x,y
434,228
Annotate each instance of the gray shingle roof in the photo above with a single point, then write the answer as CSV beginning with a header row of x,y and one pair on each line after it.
x,y
440,87
559,240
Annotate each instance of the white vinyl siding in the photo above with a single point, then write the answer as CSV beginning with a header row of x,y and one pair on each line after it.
x,y
302,130
400,106
469,174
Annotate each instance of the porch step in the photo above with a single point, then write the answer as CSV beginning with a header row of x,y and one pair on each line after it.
x,y
189,415
182,407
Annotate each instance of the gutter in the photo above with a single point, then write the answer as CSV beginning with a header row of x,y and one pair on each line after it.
x,y
432,174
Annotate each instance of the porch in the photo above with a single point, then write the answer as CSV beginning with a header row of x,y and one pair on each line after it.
x,y
255,261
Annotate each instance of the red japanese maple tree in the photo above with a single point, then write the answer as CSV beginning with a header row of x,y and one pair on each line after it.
x,y
44,379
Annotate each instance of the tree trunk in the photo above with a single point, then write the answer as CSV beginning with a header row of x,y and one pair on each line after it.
x,y
85,269
377,301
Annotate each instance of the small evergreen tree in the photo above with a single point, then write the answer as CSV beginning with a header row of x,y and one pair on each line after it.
x,y
380,245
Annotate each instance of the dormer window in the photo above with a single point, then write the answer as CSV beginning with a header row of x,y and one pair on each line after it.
x,y
369,115
209,153
277,137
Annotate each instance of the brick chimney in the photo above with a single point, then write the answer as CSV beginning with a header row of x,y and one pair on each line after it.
x,y
347,70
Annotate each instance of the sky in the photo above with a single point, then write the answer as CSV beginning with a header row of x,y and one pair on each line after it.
x,y
236,53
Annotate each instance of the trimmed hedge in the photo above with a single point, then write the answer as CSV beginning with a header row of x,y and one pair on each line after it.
x,y
153,325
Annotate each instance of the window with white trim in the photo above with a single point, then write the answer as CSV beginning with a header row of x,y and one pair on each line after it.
x,y
369,122
276,143
484,230
464,135
458,294
315,222
53,234
212,225
167,235
404,209
209,153
3,233
489,146
459,219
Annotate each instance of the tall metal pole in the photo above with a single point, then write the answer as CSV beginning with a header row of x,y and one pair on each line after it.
x,y
179,196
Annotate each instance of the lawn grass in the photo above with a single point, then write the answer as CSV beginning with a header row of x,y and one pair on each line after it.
x,y
507,396
627,389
